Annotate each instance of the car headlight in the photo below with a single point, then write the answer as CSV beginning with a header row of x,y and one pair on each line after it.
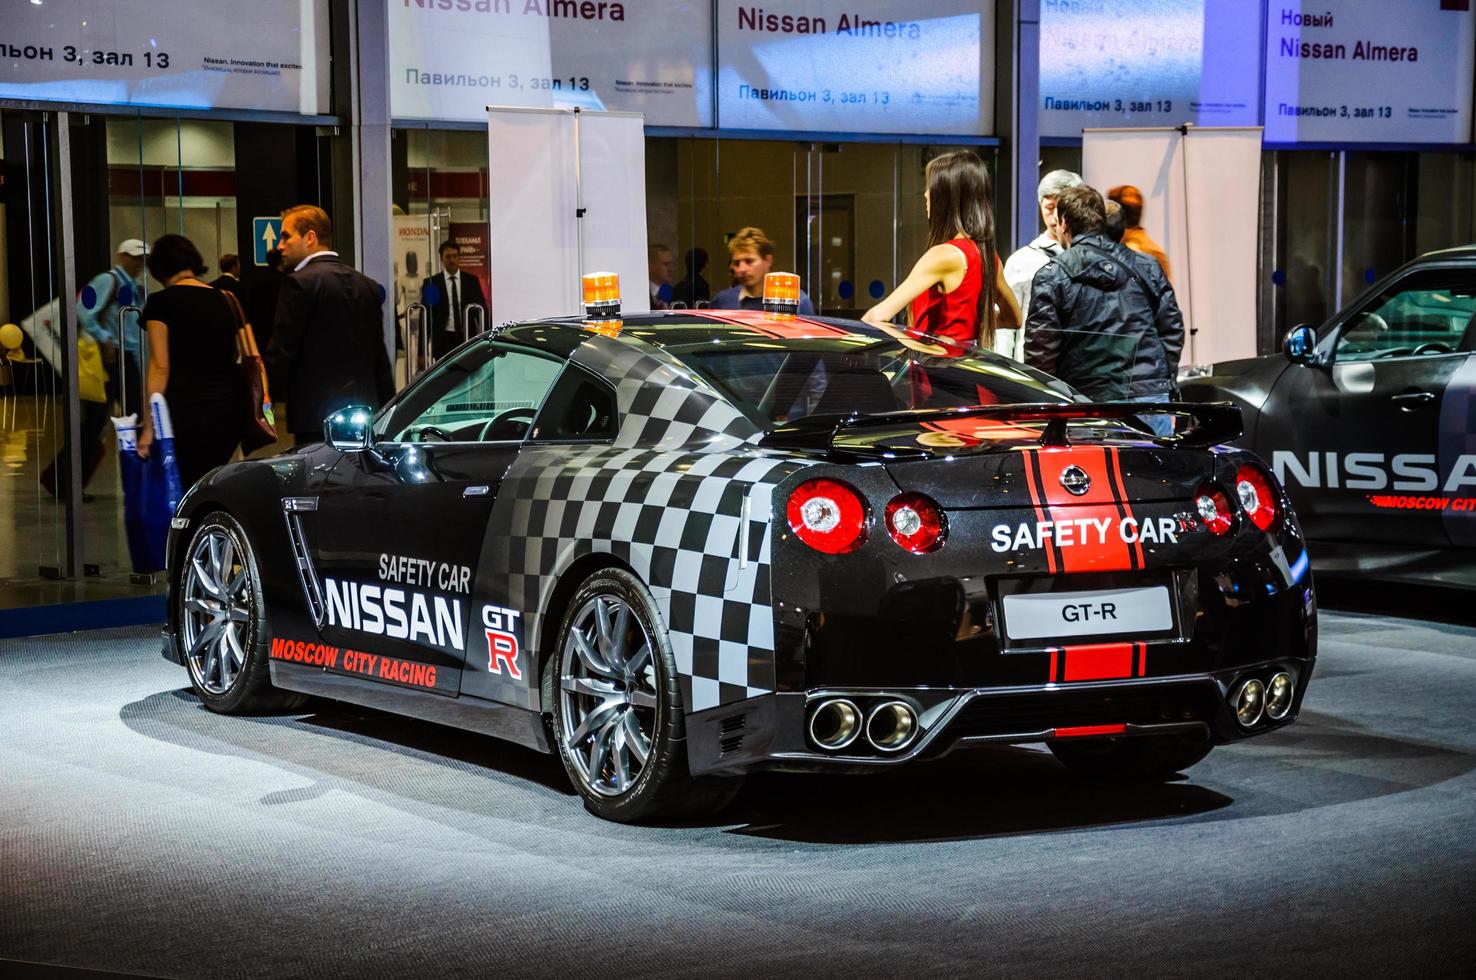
x,y
1196,371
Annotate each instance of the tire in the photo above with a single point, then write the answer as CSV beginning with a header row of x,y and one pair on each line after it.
x,y
222,626
1146,758
618,721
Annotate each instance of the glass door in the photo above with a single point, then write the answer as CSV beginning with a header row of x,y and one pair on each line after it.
x,y
37,490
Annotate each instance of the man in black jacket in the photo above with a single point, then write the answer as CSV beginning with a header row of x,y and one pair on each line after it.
x,y
1100,320
449,293
328,333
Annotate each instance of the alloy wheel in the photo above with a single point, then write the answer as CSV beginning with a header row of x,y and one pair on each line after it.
x,y
608,694
218,610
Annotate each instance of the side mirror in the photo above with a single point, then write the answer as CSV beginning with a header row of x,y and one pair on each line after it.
x,y
351,429
1300,344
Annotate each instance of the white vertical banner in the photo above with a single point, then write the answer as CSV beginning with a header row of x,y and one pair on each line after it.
x,y
612,168
1222,206
544,167
1201,193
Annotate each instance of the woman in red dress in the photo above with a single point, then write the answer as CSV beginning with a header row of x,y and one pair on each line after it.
x,y
947,294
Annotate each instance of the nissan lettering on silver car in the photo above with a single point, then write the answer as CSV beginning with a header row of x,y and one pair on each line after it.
x,y
680,547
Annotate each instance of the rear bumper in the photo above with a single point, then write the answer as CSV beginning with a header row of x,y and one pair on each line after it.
x,y
770,732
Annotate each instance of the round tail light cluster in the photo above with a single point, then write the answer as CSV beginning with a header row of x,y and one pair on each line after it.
x,y
828,516
916,523
1253,491
1253,494
1214,509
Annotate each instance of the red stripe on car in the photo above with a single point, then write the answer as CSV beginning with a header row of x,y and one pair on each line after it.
x,y
1087,731
1098,662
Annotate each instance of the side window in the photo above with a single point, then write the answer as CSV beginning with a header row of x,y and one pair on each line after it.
x,y
488,393
1429,312
579,407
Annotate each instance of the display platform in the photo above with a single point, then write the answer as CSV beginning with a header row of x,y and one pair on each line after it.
x,y
143,834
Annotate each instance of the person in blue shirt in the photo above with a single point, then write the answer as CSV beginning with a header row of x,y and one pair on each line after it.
x,y
97,313
751,256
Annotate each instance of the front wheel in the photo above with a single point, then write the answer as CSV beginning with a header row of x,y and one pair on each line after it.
x,y
222,628
617,709
1151,757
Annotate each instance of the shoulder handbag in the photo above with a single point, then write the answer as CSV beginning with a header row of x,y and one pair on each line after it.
x,y
260,426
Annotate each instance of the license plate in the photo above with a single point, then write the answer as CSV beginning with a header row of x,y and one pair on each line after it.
x,y
1030,616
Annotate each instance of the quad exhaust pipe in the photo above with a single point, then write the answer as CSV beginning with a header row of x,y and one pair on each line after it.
x,y
836,723
891,726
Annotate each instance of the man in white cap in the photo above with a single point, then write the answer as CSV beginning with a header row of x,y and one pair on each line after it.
x,y
97,313
1021,267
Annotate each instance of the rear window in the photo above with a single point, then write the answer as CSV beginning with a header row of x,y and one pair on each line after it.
x,y
775,385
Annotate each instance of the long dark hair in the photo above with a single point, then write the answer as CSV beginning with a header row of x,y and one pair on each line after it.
x,y
959,198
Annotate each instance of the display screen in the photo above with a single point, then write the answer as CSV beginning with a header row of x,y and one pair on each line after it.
x,y
450,59
1116,63
173,53
1343,70
868,66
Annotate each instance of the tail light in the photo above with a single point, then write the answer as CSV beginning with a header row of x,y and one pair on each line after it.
x,y
916,523
1257,499
828,516
1214,509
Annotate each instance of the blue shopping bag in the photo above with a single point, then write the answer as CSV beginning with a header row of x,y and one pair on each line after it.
x,y
151,488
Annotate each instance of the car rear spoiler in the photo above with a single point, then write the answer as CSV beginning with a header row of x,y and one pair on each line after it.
x,y
1210,423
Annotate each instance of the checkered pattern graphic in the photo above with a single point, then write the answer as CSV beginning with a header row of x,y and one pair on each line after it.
x,y
670,498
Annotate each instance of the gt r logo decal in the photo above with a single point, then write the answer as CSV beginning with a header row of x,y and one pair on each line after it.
x,y
502,642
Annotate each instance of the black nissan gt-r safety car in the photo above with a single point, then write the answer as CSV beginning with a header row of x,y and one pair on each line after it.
x,y
698,544
1370,423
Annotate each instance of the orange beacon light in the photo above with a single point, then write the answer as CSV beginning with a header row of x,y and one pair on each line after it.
x,y
602,302
781,294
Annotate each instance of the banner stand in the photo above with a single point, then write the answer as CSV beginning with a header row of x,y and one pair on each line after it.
x,y
566,196
1201,189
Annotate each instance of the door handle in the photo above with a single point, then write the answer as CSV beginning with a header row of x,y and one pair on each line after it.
x,y
1411,400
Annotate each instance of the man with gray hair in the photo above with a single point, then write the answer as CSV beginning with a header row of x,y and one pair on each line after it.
x,y
1021,267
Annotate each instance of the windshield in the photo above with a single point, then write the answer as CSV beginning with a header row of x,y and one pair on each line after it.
x,y
778,383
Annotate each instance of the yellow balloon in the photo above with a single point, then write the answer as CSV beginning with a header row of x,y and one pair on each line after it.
x,y
11,336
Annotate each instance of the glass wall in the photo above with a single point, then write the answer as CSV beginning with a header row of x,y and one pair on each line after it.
x,y
440,196
1341,220
847,217
129,178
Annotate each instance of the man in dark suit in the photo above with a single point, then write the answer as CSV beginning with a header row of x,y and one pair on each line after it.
x,y
449,293
328,333
230,277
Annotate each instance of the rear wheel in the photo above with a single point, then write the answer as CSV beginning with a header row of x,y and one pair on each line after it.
x,y
617,709
1150,757
222,622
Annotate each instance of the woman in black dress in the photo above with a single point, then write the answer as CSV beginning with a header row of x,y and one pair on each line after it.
x,y
192,360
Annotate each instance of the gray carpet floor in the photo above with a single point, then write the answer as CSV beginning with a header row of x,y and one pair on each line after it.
x,y
141,834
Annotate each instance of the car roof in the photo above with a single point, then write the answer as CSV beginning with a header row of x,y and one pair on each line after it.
x,y
678,330
1457,253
